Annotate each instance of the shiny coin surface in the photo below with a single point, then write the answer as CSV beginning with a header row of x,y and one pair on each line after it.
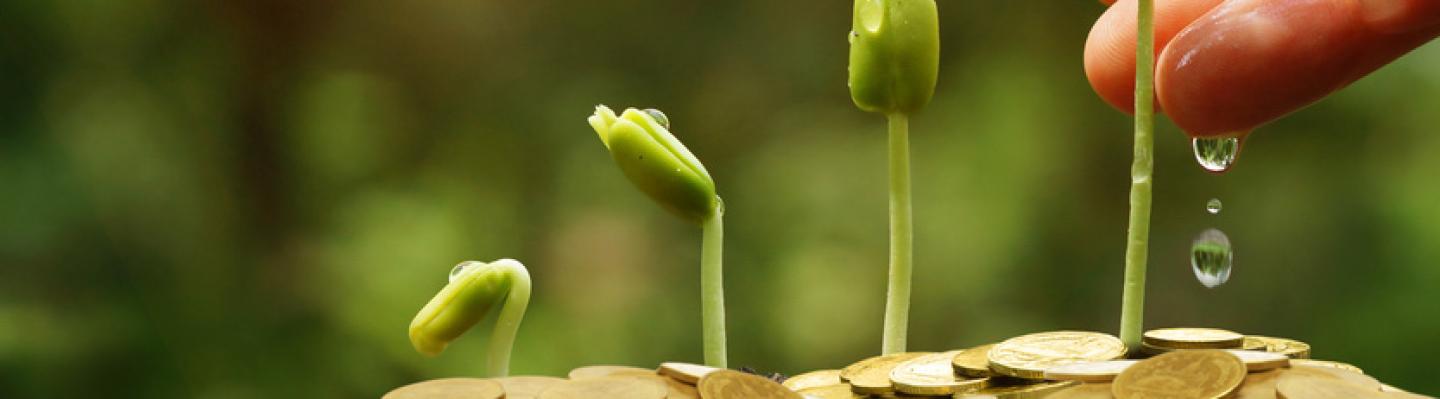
x,y
614,387
1326,363
1182,374
1285,346
1193,338
835,391
468,388
1337,373
606,371
1039,389
1260,361
931,374
1291,385
973,362
1104,371
1084,391
872,376
685,372
820,378
1258,385
730,384
526,386
1028,356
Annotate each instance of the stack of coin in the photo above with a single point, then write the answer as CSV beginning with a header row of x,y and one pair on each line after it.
x,y
669,381
1186,363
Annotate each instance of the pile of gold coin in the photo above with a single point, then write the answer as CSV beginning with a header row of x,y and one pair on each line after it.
x,y
669,381
1200,363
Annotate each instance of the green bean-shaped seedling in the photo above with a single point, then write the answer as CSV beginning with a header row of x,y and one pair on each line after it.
x,y
661,167
894,60
474,289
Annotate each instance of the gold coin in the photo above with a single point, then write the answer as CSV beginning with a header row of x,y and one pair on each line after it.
x,y
1388,388
1260,361
1021,391
1089,372
613,387
674,388
730,384
685,372
821,378
1326,363
1028,356
1292,385
1339,374
606,370
1193,338
1285,346
1182,374
1258,385
833,391
526,386
872,376
1084,391
931,374
1152,350
469,388
973,362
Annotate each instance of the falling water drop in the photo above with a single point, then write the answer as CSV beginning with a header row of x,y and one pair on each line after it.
x,y
461,268
1213,206
1211,257
1217,154
659,117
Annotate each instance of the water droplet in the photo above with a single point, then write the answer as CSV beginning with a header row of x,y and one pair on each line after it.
x,y
1213,206
659,117
1217,154
1211,257
461,268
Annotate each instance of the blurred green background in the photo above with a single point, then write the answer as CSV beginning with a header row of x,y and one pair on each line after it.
x,y
237,199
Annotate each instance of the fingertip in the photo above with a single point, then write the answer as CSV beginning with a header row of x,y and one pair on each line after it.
x,y
1109,58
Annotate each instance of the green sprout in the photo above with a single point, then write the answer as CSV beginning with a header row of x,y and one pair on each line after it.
x,y
894,60
1132,308
661,167
474,289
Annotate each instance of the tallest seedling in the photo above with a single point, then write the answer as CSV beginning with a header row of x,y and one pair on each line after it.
x,y
894,57
1132,309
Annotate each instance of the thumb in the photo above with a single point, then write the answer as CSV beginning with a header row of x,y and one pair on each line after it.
x,y
1248,62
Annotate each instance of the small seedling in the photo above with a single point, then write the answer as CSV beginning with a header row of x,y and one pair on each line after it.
x,y
894,60
661,167
474,289
1132,307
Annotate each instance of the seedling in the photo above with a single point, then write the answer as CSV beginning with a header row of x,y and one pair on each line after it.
x,y
661,167
894,59
1132,307
474,289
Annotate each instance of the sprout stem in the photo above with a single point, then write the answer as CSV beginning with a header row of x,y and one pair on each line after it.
x,y
897,299
1132,310
712,287
502,339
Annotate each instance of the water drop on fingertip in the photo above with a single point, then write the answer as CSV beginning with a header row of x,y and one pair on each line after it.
x,y
1217,154
1211,258
1213,206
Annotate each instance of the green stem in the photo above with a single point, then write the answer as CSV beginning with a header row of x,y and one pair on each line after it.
x,y
712,287
502,339
1132,310
897,299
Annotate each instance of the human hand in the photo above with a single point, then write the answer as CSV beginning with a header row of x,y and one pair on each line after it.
x,y
1227,66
